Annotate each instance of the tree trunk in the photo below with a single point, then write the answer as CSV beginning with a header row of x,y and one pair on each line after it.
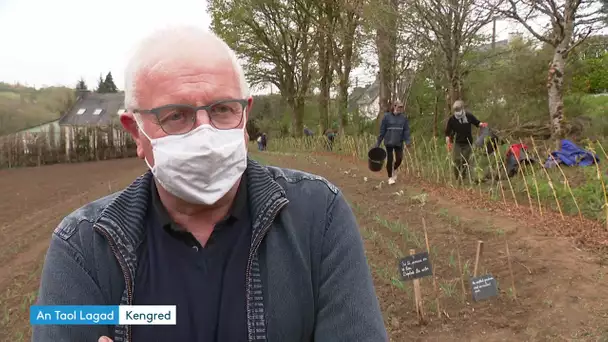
x,y
454,87
348,41
326,78
343,104
438,92
555,82
386,42
299,108
325,69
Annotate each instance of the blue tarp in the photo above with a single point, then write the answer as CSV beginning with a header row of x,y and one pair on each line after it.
x,y
571,155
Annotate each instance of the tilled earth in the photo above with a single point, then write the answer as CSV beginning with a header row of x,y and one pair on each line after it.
x,y
559,291
32,202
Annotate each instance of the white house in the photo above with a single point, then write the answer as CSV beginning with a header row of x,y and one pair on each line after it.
x,y
50,130
366,100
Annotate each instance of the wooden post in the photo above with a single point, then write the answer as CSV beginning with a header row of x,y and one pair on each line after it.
x,y
510,268
418,297
464,291
428,248
477,257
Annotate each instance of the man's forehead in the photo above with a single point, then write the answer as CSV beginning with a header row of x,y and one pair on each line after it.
x,y
186,82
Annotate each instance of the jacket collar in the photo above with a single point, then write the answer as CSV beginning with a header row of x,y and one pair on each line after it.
x,y
124,218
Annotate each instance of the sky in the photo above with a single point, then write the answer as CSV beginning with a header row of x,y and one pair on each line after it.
x,y
56,42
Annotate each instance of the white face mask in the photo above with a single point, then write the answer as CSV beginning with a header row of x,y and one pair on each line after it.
x,y
201,166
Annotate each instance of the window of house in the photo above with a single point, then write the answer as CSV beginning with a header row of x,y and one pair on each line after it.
x,y
120,111
97,111
81,111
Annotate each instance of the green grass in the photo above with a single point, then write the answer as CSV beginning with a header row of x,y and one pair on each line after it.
x,y
571,189
595,106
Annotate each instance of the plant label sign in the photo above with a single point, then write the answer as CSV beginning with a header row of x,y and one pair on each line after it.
x,y
483,287
415,266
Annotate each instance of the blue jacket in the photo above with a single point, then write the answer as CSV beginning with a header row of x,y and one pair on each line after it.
x,y
307,277
394,130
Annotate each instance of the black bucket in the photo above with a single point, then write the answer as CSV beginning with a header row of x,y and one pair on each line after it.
x,y
375,158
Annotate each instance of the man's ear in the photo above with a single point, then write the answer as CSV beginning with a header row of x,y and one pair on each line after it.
x,y
249,105
128,122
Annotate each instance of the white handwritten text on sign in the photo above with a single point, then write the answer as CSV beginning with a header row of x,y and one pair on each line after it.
x,y
415,266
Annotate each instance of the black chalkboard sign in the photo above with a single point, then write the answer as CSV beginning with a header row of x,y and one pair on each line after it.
x,y
483,287
415,266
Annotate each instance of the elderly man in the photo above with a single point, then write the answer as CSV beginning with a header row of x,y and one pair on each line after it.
x,y
458,133
246,252
394,130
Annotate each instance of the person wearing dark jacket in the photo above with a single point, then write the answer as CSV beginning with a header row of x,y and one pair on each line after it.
x,y
459,138
394,130
264,141
242,251
308,132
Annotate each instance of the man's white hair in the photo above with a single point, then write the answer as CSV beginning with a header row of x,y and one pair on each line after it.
x,y
181,43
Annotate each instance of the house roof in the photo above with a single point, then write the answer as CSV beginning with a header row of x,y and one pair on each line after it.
x,y
499,43
94,109
354,97
363,96
38,125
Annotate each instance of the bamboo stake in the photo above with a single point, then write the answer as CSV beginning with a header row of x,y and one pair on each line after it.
x,y
428,248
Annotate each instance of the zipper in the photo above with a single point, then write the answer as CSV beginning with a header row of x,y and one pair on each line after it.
x,y
253,251
125,272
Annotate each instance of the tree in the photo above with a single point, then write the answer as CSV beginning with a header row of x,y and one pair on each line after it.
x,y
385,23
276,38
346,52
453,26
570,23
109,85
101,86
604,9
324,17
81,85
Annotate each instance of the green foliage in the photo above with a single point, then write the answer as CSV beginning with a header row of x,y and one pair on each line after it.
x,y
106,85
110,87
277,40
270,35
576,188
101,86
81,85
23,107
510,86
592,75
507,87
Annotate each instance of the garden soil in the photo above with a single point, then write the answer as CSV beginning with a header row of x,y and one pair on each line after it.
x,y
559,291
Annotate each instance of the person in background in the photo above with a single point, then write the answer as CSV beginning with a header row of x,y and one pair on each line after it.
x,y
459,138
264,141
259,141
308,132
245,251
394,130
330,134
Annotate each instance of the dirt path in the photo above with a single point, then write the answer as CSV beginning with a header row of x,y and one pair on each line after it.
x,y
32,203
560,292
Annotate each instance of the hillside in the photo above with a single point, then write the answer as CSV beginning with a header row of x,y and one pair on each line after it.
x,y
22,107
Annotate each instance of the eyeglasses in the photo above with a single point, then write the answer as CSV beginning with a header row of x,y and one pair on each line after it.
x,y
176,119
